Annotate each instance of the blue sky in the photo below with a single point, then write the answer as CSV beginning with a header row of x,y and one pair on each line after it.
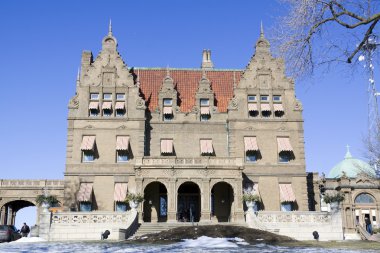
x,y
41,46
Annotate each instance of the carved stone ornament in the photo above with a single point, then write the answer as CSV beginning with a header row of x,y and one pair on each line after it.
x,y
298,105
172,172
233,104
74,102
138,172
140,103
206,172
195,109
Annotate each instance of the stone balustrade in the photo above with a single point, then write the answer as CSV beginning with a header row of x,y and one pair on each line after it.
x,y
91,217
293,217
31,183
198,161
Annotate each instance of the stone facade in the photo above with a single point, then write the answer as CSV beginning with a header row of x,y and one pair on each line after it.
x,y
184,133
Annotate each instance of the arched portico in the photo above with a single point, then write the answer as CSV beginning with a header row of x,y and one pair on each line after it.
x,y
155,206
189,202
222,199
9,210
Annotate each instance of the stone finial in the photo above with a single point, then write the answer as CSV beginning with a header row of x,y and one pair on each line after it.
x,y
206,59
262,44
110,28
348,153
261,30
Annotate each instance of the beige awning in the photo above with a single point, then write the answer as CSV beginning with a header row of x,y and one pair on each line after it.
x,y
206,147
167,146
119,106
252,107
88,143
93,105
278,107
120,192
286,193
265,107
250,144
107,106
205,110
85,192
283,144
122,142
168,110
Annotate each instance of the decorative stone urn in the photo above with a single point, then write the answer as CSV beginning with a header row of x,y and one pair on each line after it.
x,y
45,207
133,204
250,205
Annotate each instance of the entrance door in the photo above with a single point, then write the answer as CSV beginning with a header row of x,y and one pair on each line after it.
x,y
188,209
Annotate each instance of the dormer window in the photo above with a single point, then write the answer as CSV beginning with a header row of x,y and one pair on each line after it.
x,y
94,96
93,108
205,109
107,109
252,106
107,96
168,109
120,96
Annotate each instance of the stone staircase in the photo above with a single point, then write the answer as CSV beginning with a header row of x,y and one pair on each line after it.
x,y
150,228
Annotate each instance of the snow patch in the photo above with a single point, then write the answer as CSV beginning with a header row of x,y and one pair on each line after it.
x,y
209,242
29,239
361,58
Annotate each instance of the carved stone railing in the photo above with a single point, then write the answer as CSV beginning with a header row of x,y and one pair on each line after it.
x,y
91,217
199,161
32,183
293,217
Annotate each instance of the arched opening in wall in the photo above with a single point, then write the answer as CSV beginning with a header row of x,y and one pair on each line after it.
x,y
155,203
189,202
365,210
17,212
222,197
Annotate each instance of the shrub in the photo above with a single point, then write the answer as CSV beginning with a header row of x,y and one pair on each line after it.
x,y
251,197
49,199
337,197
136,197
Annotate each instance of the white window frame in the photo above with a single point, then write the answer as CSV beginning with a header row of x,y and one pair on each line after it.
x,y
120,96
167,102
264,96
251,98
94,96
275,98
107,94
204,102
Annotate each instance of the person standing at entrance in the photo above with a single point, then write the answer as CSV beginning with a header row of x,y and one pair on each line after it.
x,y
25,230
368,225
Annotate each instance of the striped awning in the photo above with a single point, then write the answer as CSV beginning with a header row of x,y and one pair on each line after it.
x,y
278,107
286,193
93,105
265,107
88,143
122,142
205,110
107,106
283,144
85,192
206,147
252,107
250,144
168,110
167,146
119,106
120,192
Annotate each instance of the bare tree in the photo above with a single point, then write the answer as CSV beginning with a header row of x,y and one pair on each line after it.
x,y
317,32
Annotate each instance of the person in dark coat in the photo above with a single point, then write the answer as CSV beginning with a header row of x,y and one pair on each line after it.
x,y
368,225
25,230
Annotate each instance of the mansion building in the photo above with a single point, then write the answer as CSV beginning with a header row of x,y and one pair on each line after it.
x,y
190,140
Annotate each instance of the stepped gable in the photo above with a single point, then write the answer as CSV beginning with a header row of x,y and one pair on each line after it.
x,y
186,82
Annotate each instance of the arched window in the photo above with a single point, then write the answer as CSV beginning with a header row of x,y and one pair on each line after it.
x,y
364,198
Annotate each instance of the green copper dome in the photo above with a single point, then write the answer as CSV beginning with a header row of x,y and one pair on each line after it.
x,y
351,167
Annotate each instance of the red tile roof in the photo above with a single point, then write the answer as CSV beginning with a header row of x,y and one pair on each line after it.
x,y
186,82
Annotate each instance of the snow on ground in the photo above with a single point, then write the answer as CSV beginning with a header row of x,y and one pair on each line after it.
x,y
29,239
209,242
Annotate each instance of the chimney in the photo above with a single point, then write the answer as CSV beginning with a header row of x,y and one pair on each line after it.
x,y
206,59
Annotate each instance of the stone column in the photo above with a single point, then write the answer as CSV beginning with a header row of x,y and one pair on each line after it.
x,y
44,226
9,215
172,201
139,189
205,200
3,215
238,202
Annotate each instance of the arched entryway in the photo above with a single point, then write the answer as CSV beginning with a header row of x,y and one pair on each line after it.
x,y
155,202
222,198
189,202
365,208
9,211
